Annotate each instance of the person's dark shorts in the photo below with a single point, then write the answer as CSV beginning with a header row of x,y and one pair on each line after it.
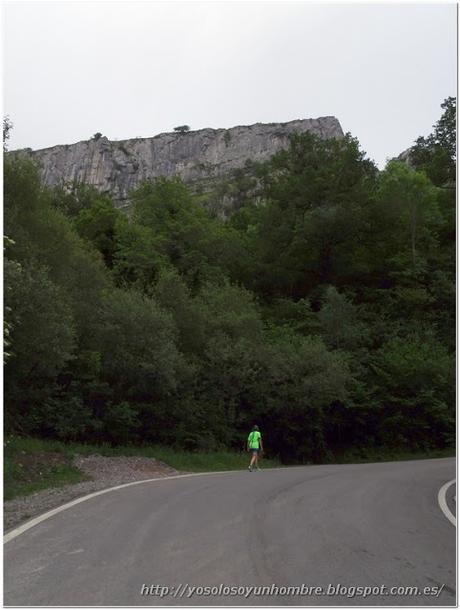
x,y
254,451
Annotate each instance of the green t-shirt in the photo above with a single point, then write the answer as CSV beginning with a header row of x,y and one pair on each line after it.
x,y
253,439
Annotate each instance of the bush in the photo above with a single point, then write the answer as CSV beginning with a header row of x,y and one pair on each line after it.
x,y
120,423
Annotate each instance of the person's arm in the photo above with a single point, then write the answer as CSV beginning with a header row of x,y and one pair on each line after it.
x,y
261,444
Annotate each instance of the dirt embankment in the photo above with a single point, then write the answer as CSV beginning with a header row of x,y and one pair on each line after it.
x,y
104,472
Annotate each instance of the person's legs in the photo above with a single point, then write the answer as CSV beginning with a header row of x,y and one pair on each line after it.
x,y
253,458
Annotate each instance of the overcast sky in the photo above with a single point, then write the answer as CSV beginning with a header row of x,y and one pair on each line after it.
x,y
131,69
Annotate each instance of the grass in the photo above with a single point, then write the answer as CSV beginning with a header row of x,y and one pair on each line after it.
x,y
26,472
181,460
366,455
32,464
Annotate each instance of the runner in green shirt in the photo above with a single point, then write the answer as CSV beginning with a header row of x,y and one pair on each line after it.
x,y
254,445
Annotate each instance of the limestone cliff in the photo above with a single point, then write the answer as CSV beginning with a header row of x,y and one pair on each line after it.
x,y
116,167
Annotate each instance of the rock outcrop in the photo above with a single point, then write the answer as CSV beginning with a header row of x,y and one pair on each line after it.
x,y
117,167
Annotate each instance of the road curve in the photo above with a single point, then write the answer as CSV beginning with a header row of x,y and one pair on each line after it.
x,y
357,525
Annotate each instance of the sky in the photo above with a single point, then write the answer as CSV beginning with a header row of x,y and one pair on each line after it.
x,y
136,69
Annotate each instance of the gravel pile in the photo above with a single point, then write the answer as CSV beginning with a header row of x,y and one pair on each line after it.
x,y
104,472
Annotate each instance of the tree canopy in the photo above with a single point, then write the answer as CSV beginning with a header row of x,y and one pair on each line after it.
x,y
323,309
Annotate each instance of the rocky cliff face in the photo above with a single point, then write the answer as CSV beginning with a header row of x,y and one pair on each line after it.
x,y
117,167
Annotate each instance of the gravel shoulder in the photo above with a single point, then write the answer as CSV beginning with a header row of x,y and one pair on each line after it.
x,y
104,472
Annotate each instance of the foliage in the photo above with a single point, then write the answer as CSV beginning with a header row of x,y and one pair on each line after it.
x,y
11,274
32,464
136,339
339,321
323,309
43,339
138,254
7,127
407,211
186,235
120,422
317,193
417,374
71,198
437,153
97,225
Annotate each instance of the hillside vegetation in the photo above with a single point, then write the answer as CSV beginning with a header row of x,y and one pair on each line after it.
x,y
323,310
34,464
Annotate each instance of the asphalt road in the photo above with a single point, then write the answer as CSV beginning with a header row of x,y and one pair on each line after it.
x,y
368,525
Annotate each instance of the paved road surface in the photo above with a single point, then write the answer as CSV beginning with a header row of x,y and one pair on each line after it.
x,y
351,525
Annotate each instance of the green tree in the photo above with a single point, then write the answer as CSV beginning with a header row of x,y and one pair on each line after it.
x,y
185,230
297,315
414,382
182,128
7,127
121,423
139,255
339,320
230,310
73,197
61,415
137,342
172,294
43,340
322,309
312,229
407,213
56,281
437,153
97,225
300,380
45,236
11,275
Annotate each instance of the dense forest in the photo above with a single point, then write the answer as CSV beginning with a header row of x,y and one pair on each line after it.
x,y
322,309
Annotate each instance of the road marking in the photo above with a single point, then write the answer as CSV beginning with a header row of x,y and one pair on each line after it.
x,y
443,502
36,520
26,526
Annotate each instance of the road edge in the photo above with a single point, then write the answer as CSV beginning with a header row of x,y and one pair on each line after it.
x,y
17,531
